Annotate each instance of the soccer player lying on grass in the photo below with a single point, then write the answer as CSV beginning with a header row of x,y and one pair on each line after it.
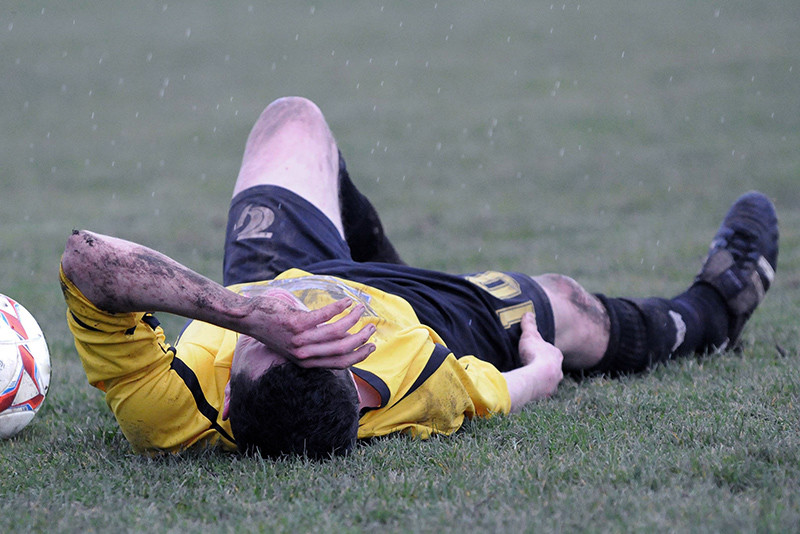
x,y
279,352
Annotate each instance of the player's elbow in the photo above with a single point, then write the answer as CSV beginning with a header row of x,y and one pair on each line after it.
x,y
80,260
71,258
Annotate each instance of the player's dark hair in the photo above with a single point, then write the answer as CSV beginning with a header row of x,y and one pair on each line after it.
x,y
292,410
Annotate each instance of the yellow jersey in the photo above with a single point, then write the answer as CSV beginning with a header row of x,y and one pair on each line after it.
x,y
169,397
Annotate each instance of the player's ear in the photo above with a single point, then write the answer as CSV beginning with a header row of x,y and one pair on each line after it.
x,y
226,405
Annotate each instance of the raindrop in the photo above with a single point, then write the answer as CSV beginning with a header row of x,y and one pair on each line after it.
x,y
623,53
716,13
10,26
188,32
312,10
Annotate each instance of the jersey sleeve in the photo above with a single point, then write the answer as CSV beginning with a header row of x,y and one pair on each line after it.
x,y
486,387
111,345
163,402
438,399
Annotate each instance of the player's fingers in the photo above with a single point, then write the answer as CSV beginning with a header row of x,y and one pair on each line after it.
x,y
327,332
336,345
529,327
339,361
325,314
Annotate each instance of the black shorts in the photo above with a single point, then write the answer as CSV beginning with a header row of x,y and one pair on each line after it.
x,y
271,230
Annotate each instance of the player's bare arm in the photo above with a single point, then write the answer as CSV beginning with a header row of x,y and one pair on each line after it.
x,y
540,373
121,276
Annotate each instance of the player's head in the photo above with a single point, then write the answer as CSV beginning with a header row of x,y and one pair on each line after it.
x,y
280,408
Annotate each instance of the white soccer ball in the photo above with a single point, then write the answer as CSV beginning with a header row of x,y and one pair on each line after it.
x,y
24,367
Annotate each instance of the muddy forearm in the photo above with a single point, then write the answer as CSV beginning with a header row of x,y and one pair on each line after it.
x,y
121,276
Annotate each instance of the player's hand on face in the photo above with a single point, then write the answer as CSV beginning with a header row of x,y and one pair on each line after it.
x,y
308,339
535,351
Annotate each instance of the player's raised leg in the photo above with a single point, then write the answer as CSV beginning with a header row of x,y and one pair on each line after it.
x,y
362,226
291,146
601,334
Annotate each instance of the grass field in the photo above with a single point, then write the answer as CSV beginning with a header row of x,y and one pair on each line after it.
x,y
604,140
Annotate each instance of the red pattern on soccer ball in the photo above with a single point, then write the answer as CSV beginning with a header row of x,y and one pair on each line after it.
x,y
8,396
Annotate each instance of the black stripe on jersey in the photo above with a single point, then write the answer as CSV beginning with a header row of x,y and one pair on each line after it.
x,y
376,382
203,406
435,360
151,320
82,324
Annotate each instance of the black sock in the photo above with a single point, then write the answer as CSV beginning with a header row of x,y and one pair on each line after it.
x,y
362,227
648,331
706,305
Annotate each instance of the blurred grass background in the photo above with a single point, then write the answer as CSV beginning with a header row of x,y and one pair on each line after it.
x,y
602,140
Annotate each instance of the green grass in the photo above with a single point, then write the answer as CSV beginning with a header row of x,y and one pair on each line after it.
x,y
604,140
